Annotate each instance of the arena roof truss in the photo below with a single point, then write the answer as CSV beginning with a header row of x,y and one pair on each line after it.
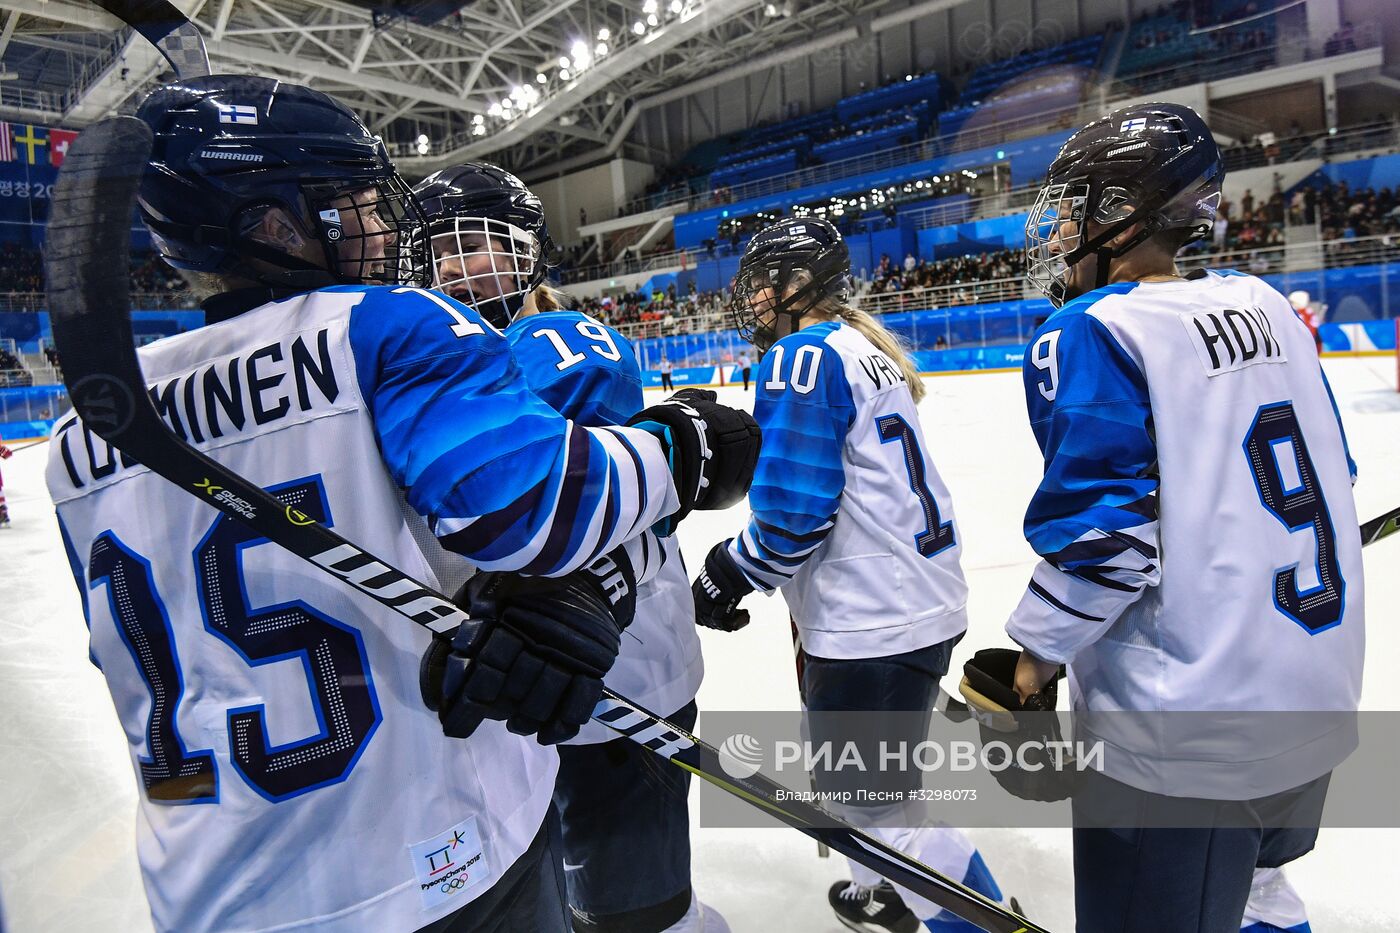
x,y
435,91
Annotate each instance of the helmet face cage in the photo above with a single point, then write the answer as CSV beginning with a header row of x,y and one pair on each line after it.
x,y
1054,231
367,232
489,264
758,303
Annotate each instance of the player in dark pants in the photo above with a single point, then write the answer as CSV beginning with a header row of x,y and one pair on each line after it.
x,y
623,812
1140,878
596,784
902,683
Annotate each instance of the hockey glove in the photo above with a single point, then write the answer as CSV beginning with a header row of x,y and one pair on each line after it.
x,y
712,449
538,658
718,590
1035,768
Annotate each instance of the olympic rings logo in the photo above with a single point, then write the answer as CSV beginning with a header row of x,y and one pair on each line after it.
x,y
455,883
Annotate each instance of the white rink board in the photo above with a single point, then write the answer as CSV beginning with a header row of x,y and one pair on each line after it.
x,y
68,798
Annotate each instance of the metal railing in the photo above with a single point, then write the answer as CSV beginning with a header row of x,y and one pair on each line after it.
x,y
1129,85
1263,260
141,301
977,138
1218,67
1377,135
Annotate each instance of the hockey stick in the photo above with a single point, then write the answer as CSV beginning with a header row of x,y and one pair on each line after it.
x,y
163,25
1380,527
89,303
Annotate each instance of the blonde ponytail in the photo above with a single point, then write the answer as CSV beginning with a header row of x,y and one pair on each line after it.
x,y
887,342
549,298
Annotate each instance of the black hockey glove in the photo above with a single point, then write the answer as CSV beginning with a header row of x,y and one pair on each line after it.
x,y
538,658
712,449
718,590
1029,729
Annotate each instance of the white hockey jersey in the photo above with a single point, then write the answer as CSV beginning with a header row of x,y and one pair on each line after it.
x,y
850,516
1200,542
588,373
292,778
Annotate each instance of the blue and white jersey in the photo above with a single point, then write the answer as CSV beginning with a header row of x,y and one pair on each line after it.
x,y
588,372
850,517
1199,540
291,777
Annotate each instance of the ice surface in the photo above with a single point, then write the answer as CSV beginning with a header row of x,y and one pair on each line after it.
x,y
68,794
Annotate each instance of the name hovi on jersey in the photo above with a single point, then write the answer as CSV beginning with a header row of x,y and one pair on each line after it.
x,y
292,376
1233,338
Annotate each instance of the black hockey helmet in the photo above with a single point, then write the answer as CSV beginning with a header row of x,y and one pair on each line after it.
x,y
487,237
228,148
805,254
1156,164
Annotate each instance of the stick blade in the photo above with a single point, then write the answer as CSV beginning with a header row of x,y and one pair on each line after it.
x,y
87,269
163,25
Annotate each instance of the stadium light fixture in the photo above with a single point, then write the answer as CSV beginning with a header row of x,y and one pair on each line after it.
x,y
639,27
652,21
770,10
478,119
604,34
600,49
677,6
563,61
494,110
541,77
563,74
649,6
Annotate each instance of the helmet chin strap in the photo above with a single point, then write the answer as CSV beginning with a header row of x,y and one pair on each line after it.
x,y
1105,254
805,296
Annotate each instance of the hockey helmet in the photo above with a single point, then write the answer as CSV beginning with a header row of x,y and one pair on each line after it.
x,y
229,149
487,238
786,269
1152,164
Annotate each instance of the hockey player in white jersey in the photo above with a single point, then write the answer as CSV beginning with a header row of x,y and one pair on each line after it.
x,y
290,775
623,813
1198,537
846,499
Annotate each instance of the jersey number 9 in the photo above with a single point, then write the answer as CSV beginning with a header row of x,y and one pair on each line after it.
x,y
1290,490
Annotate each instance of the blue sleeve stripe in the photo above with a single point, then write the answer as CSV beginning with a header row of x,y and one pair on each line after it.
x,y
573,491
815,537
478,534
1097,550
767,555
636,463
759,574
1046,595
766,545
1100,576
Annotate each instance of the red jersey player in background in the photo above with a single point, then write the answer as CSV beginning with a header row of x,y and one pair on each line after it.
x,y
5,454
1302,306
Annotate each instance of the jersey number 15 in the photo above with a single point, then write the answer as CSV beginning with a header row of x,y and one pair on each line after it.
x,y
331,653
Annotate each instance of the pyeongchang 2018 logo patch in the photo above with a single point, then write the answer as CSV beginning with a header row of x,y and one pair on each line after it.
x,y
449,864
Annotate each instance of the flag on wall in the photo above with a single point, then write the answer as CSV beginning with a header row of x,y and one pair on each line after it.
x,y
58,145
7,148
32,139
